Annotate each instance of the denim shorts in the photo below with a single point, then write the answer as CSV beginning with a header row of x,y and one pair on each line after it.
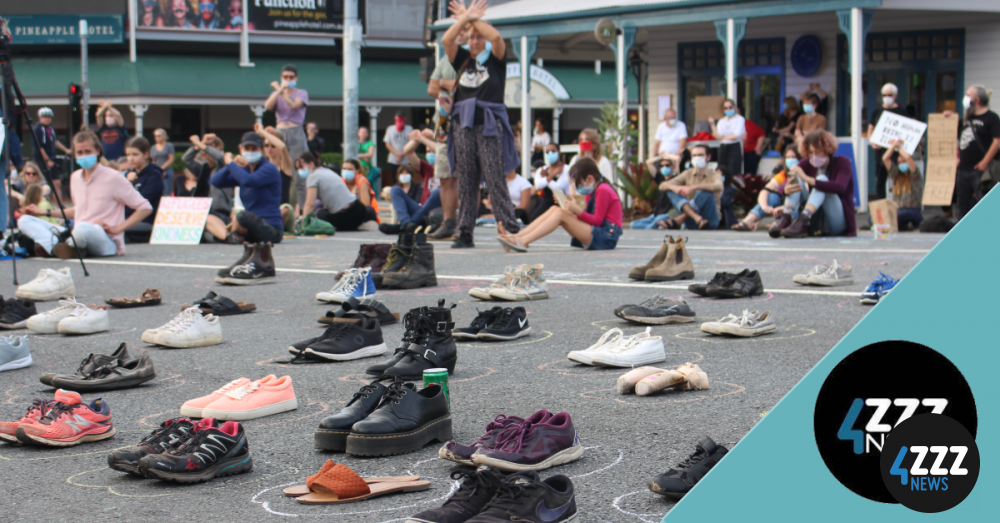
x,y
605,237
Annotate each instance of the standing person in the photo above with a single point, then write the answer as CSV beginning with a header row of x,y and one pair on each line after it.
x,y
907,185
163,153
978,142
811,120
890,103
366,152
341,207
395,140
753,146
112,132
481,142
539,141
730,131
696,193
147,178
46,154
590,147
101,195
316,144
260,191
289,105
671,138
444,81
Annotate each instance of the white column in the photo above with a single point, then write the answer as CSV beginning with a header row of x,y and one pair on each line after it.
x,y
352,61
556,113
139,111
84,74
730,59
373,111
857,48
526,125
245,39
132,22
258,113
621,69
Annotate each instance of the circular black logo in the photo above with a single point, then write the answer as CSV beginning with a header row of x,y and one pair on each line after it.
x,y
930,463
874,389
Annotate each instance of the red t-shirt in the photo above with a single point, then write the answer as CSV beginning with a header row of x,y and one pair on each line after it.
x,y
754,133
427,173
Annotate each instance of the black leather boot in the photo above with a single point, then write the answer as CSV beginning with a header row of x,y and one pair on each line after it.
x,y
418,271
333,430
248,249
399,254
405,421
410,321
433,346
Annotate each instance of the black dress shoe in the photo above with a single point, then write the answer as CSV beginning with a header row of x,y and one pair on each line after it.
x,y
464,241
333,430
405,421
433,346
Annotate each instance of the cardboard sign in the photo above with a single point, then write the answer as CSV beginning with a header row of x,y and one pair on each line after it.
x,y
708,106
180,221
942,143
884,213
892,126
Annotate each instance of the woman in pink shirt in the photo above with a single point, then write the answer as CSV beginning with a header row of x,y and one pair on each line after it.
x,y
101,195
596,227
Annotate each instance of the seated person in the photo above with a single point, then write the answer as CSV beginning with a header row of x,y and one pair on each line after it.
x,y
101,195
596,227
260,191
520,195
30,174
357,182
696,193
186,184
340,206
34,194
147,178
666,169
832,181
413,201
277,153
769,200
554,174
907,185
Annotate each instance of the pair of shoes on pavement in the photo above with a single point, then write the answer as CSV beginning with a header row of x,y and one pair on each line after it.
x,y
50,284
681,478
14,313
614,349
658,310
355,283
387,417
14,352
71,317
514,444
243,399
786,227
878,289
648,380
743,284
746,325
190,328
410,264
185,451
343,341
672,262
255,266
64,421
428,343
99,372
833,275
498,323
524,282
337,483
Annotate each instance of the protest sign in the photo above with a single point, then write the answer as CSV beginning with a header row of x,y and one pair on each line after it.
x,y
942,144
180,221
708,106
893,127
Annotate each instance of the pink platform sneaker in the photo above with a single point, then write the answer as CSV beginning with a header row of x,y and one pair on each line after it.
x,y
193,408
264,397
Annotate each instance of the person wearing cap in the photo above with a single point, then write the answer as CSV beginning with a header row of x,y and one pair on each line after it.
x,y
396,138
46,154
260,191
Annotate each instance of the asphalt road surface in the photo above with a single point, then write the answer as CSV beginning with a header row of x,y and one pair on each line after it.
x,y
628,439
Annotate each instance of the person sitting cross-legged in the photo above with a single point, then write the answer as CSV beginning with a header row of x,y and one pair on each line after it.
x,y
695,193
769,200
416,194
341,207
260,191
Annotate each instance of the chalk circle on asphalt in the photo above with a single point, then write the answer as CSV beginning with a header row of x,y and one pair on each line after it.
x,y
786,333
459,376
481,344
625,324
126,485
718,390
646,517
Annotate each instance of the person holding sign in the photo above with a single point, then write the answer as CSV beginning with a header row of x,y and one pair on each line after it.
x,y
890,103
978,142
907,185
832,195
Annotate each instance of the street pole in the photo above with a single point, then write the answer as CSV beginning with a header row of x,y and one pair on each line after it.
x,y
245,37
352,61
132,22
84,34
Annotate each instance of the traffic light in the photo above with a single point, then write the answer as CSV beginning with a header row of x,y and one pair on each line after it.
x,y
75,95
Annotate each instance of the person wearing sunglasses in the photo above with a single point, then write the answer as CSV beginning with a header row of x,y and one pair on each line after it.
x,y
150,16
235,15
29,174
208,17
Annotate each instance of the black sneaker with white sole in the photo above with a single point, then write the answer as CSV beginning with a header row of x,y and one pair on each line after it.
x,y
680,479
511,324
743,284
362,339
476,490
257,270
483,319
15,313
660,314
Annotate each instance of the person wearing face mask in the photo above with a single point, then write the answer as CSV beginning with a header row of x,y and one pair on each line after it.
x,y
769,200
101,195
730,131
597,226
811,120
590,147
112,132
414,202
260,191
671,138
289,104
539,141
340,207
696,193
832,196
785,127
553,175
396,138
665,169
978,143
907,185
890,103
354,177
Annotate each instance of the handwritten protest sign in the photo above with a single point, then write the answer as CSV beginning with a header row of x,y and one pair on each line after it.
x,y
180,221
942,142
892,127
707,106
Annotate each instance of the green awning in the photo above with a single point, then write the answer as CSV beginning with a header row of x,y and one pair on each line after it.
x,y
584,85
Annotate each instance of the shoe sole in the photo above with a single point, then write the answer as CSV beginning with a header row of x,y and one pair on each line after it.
x,y
801,279
19,325
512,246
869,301
149,338
17,364
672,495
464,336
638,363
580,358
479,294
734,330
559,458
519,297
830,283
408,284
640,275
43,329
95,387
722,294
192,412
223,468
91,329
711,328
71,293
444,453
12,438
123,467
689,275
331,439
501,337
365,352
395,444
342,299
28,439
257,281
665,320
213,340
259,412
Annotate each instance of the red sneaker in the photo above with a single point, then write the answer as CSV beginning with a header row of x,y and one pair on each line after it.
x,y
38,408
69,422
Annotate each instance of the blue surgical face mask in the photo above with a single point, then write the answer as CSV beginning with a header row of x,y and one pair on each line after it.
x,y
585,190
730,112
808,108
292,83
304,173
485,53
236,20
791,162
347,174
904,167
465,46
87,162
552,157
442,111
665,171
405,178
687,165
431,158
251,156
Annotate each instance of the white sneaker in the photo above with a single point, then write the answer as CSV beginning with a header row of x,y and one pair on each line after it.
x,y
803,279
483,293
633,353
48,285
355,283
834,276
750,324
48,322
85,319
192,330
713,327
608,338
149,335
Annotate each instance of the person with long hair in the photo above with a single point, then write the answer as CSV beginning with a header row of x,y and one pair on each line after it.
x,y
832,195
162,153
729,130
769,200
812,119
907,185
31,173
354,176
150,14
179,14
785,127
34,194
590,147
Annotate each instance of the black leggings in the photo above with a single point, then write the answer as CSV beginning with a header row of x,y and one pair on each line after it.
x,y
259,230
348,219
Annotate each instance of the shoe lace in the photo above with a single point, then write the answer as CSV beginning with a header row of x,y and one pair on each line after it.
x,y
497,424
626,345
472,481
370,388
165,430
503,319
655,301
58,409
692,460
86,361
103,371
39,404
228,387
65,304
347,283
394,391
821,269
246,268
483,317
241,392
512,437
183,321
508,494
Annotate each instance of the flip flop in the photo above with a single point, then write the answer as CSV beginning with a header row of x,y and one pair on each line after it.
x,y
302,490
223,306
340,484
150,297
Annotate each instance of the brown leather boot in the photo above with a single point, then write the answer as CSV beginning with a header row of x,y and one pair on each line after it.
x,y
676,264
798,229
781,223
639,271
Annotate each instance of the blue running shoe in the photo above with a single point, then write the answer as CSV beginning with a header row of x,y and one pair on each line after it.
x,y
877,289
355,283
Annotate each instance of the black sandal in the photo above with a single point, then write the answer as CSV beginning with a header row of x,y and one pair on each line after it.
x,y
223,306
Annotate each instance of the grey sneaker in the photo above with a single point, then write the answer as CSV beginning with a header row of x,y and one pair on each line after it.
x,y
663,313
834,276
654,302
750,324
715,327
803,279
113,375
14,352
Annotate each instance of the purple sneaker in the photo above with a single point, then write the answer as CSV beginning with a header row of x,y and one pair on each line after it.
x,y
453,451
533,446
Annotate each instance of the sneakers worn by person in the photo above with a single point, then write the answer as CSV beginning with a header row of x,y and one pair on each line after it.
x,y
259,269
165,438
483,293
248,249
474,492
834,276
91,362
510,324
663,313
15,312
14,352
85,319
264,397
635,352
209,453
113,375
464,241
527,284
48,285
355,283
701,289
533,446
680,479
743,284
48,322
803,279
747,325
878,288
194,408
362,339
193,330
454,451
482,319
37,409
69,422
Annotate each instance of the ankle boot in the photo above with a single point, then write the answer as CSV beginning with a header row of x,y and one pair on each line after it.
x,y
781,223
798,229
433,346
445,231
410,322
639,271
676,264
248,249
399,254
418,270
259,269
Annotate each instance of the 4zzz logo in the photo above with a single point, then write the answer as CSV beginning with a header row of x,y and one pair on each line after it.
x,y
864,440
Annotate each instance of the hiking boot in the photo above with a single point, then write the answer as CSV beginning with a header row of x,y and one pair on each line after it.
x,y
526,284
405,421
248,249
779,225
639,271
676,265
433,346
454,451
399,254
418,271
259,269
333,430
464,241
445,232
410,322
701,289
474,492
798,229
110,376
534,446
680,479
741,285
